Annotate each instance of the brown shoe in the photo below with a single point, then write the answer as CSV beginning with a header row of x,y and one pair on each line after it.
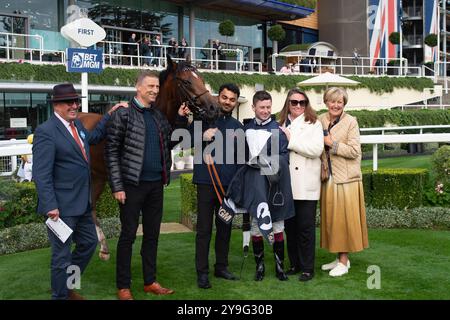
x,y
124,294
156,288
74,296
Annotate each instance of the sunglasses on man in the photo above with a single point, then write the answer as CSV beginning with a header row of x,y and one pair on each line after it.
x,y
295,103
71,102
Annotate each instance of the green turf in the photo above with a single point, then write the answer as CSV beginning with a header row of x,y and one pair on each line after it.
x,y
414,264
423,162
172,203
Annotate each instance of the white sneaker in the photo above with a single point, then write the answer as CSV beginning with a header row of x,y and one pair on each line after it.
x,y
339,270
332,265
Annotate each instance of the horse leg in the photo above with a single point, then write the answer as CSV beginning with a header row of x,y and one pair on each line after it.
x,y
97,189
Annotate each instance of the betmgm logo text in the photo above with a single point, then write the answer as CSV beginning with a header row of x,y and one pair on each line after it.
x,y
84,60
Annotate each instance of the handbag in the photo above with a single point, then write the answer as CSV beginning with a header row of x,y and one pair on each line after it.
x,y
324,170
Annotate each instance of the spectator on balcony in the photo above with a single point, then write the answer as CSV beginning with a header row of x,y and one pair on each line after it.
x,y
355,59
217,52
287,68
173,47
157,51
146,52
182,50
132,49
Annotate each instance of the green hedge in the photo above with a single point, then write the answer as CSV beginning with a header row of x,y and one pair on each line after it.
x,y
107,206
188,200
394,188
385,188
386,118
394,118
34,236
18,204
127,77
403,216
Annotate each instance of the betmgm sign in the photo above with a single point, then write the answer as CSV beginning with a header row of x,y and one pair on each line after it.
x,y
86,33
84,60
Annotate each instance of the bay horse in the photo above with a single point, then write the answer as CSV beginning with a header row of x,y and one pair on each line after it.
x,y
179,83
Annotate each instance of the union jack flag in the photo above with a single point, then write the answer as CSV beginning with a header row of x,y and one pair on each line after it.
x,y
384,19
431,26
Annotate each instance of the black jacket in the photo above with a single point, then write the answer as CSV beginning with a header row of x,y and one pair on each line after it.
x,y
125,144
225,170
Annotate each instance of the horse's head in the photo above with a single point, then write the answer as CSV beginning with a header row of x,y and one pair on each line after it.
x,y
180,83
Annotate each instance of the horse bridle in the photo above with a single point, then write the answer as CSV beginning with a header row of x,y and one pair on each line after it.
x,y
193,100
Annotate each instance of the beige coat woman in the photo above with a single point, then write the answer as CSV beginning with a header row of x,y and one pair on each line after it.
x,y
343,226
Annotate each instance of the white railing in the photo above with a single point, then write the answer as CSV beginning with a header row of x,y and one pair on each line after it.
x,y
116,55
420,128
10,149
9,152
210,58
10,46
402,138
312,64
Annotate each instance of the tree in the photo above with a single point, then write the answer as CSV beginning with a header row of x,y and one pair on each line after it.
x,y
226,28
276,33
394,38
431,40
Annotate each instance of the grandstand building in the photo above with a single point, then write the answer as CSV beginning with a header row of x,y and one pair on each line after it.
x,y
30,32
367,26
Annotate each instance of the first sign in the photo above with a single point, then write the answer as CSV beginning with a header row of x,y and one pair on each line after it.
x,y
83,31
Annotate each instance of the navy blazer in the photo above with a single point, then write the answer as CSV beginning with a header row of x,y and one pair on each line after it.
x,y
60,172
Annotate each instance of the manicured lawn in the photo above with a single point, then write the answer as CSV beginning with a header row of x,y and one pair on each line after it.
x,y
172,202
414,264
423,162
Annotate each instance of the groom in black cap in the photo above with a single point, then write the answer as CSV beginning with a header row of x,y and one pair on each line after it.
x,y
62,176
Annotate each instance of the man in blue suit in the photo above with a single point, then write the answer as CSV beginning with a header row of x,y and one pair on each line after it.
x,y
62,176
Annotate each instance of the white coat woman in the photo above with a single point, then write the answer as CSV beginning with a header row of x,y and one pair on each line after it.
x,y
305,135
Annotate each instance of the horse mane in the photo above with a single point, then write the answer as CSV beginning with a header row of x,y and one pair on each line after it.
x,y
181,67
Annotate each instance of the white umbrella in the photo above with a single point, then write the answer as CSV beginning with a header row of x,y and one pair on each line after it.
x,y
326,79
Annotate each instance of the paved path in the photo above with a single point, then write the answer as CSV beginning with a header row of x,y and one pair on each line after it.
x,y
169,227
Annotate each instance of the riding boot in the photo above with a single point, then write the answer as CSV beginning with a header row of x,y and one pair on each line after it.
x,y
258,251
278,251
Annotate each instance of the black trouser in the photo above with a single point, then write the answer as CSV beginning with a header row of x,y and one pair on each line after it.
x,y
148,198
207,206
301,235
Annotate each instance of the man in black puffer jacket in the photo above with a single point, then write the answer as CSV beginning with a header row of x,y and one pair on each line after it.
x,y
138,157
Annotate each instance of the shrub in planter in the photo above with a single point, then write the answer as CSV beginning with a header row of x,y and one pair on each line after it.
x,y
430,65
276,33
226,28
391,70
431,40
394,38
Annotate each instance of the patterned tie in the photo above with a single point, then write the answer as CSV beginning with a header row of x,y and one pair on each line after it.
x,y
77,139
